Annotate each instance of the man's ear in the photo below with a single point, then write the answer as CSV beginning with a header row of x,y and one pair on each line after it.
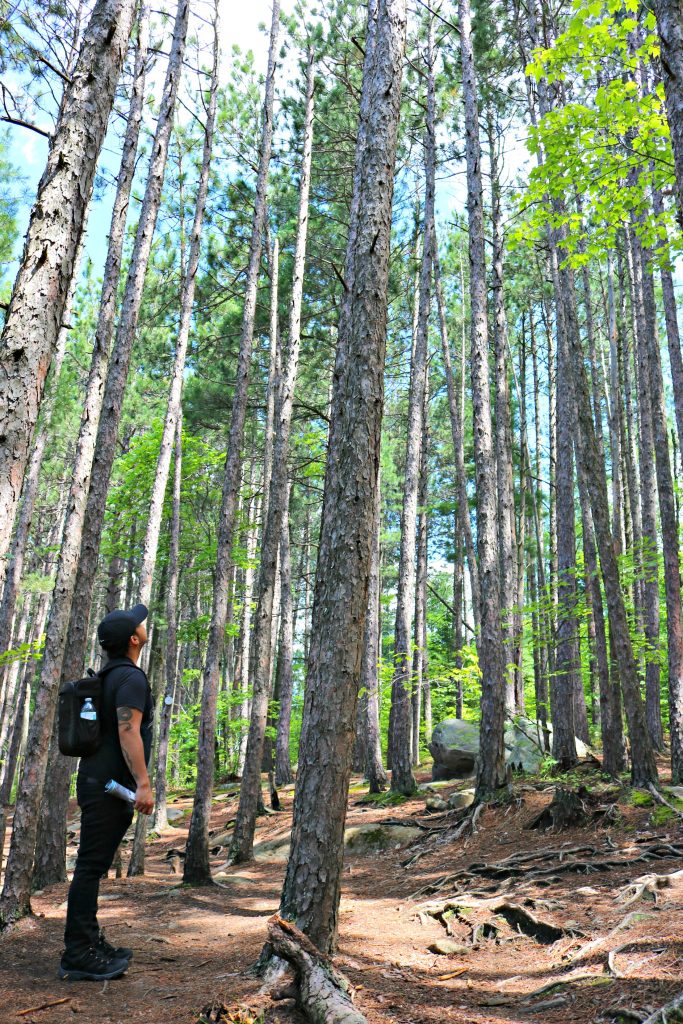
x,y
135,640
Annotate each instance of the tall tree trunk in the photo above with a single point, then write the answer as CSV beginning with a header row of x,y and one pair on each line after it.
x,y
645,325
402,779
16,892
260,669
643,763
284,679
36,309
457,429
503,436
112,402
274,357
670,26
312,884
420,620
160,818
670,549
491,764
156,505
369,673
197,870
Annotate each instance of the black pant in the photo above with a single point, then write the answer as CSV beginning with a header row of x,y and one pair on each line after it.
x,y
104,822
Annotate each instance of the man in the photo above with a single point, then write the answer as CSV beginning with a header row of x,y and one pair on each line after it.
x,y
126,712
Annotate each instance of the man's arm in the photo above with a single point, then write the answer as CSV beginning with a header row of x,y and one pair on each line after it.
x,y
134,755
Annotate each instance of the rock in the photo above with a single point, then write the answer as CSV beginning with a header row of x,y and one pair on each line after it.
x,y
362,839
459,801
174,813
447,948
224,839
434,787
675,792
436,803
359,840
455,747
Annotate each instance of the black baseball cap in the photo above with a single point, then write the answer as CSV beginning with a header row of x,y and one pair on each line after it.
x,y
118,627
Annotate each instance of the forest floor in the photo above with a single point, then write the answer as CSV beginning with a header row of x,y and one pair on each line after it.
x,y
194,947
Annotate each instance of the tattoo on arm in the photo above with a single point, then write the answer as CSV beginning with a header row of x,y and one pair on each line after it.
x,y
125,716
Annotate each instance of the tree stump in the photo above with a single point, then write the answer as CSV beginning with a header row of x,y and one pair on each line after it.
x,y
568,809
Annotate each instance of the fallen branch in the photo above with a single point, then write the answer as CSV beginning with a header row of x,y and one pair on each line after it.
x,y
43,1006
322,994
548,1004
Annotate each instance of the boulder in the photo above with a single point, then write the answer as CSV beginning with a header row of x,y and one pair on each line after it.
x,y
460,801
436,803
455,747
358,840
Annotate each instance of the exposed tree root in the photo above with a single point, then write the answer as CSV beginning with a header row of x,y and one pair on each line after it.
x,y
521,920
590,947
672,1013
322,994
657,796
647,883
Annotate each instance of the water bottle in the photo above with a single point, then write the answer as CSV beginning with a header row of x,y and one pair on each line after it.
x,y
116,789
89,711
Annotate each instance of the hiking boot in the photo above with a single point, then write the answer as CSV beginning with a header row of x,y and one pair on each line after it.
x,y
112,952
91,966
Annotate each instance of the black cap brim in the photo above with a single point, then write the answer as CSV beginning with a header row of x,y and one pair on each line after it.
x,y
139,613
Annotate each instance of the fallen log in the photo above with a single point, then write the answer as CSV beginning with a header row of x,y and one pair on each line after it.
x,y
322,994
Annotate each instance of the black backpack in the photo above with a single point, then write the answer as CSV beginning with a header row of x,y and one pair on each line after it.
x,y
77,736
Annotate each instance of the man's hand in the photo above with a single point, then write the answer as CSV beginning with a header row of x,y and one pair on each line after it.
x,y
144,798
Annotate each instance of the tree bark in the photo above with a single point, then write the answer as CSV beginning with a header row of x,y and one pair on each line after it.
x,y
112,402
420,620
261,651
197,870
36,309
163,467
369,673
16,892
670,26
402,779
284,680
312,885
503,435
160,818
491,763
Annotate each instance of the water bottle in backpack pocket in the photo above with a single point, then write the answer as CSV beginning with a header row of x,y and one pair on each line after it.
x,y
78,722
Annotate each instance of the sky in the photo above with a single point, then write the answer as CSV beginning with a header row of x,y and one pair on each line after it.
x,y
241,24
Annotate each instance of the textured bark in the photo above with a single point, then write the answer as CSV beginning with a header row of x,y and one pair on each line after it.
x,y
112,402
614,405
197,870
369,675
284,680
643,763
29,491
273,373
163,467
669,524
503,436
260,668
420,620
458,444
402,779
312,885
160,819
566,675
15,898
36,309
672,333
13,676
670,26
645,325
245,632
491,763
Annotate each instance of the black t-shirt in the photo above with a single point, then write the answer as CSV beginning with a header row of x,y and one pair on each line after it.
x,y
124,685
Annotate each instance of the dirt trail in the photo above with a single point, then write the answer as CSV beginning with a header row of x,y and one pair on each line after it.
x,y
193,947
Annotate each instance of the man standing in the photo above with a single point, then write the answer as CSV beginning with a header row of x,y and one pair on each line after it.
x,y
126,712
